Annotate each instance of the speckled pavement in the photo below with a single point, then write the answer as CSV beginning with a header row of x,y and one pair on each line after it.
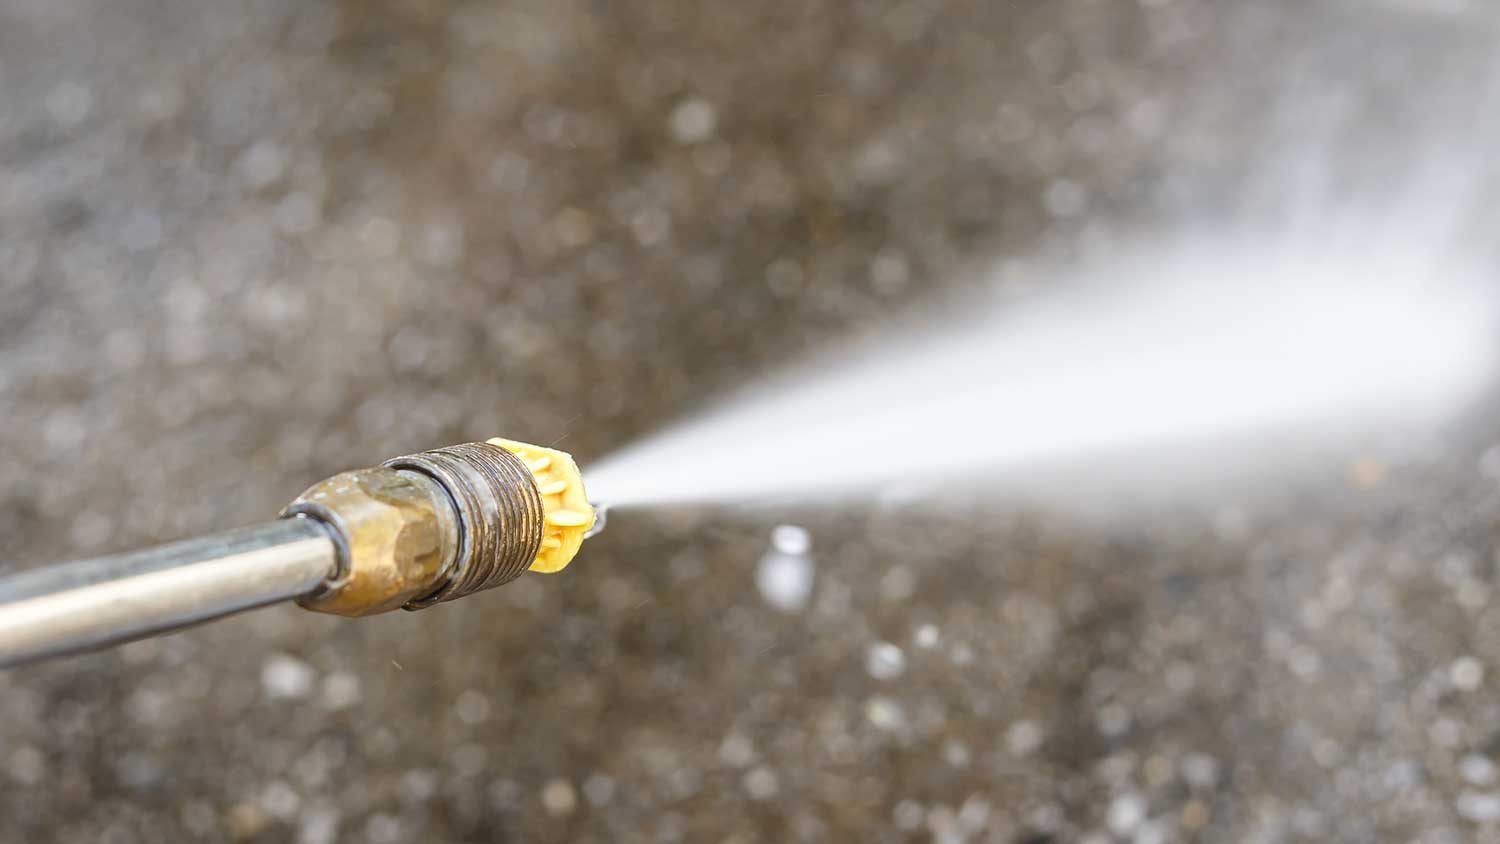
x,y
246,245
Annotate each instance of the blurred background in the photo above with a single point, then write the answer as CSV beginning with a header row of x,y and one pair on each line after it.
x,y
244,246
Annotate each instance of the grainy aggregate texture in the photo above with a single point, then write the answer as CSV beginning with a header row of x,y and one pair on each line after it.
x,y
245,245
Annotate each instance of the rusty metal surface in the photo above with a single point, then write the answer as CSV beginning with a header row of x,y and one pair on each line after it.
x,y
499,511
244,246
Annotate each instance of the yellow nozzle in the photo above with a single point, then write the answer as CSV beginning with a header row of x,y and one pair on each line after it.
x,y
569,514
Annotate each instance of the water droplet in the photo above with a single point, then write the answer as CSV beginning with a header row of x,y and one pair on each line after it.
x,y
1200,771
885,714
1466,673
974,814
785,580
761,783
885,661
909,815
319,826
285,677
1477,770
472,707
559,798
927,637
383,829
693,121
1023,738
1478,807
791,539
280,800
340,690
1126,813
418,785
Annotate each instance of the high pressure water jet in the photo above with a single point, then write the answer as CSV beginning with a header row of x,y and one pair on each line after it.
x,y
415,531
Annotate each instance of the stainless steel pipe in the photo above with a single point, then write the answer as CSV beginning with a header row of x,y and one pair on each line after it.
x,y
77,606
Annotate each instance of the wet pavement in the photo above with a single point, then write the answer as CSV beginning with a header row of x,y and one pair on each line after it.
x,y
245,246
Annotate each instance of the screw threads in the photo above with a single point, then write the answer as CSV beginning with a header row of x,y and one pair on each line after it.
x,y
500,511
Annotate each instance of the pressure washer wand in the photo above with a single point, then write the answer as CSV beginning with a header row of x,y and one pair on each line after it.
x,y
415,531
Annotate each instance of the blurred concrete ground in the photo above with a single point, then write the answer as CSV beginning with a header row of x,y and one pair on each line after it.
x,y
246,245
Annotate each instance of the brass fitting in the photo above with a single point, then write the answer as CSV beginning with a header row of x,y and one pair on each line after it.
x,y
445,523
396,533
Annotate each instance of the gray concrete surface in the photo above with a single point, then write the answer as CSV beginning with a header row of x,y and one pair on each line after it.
x,y
244,245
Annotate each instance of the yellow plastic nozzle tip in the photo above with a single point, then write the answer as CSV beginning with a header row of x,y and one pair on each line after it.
x,y
566,506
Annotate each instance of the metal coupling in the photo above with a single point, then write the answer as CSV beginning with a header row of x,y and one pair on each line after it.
x,y
418,530
430,527
498,507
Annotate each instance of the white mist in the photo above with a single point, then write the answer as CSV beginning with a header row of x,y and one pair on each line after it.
x,y
1200,339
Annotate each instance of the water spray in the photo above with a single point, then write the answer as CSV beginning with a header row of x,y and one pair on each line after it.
x,y
415,531
1208,338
